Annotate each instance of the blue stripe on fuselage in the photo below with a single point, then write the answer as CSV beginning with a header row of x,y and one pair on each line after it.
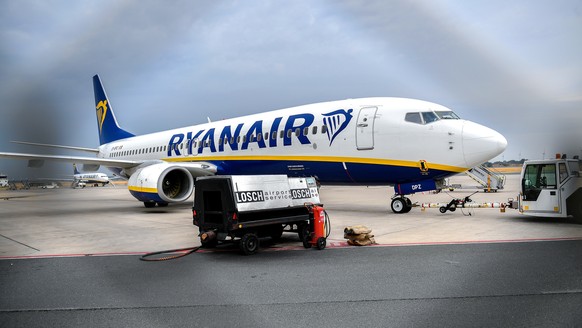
x,y
331,172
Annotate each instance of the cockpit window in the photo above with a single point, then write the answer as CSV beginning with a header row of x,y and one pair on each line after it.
x,y
429,117
447,115
413,117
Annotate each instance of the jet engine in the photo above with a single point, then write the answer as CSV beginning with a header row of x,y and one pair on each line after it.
x,y
161,184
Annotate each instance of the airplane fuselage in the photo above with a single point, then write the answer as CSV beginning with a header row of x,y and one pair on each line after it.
x,y
408,143
370,141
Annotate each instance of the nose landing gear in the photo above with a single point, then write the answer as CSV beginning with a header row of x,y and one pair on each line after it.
x,y
401,204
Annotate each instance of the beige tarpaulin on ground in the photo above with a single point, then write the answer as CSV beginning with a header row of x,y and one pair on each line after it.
x,y
359,235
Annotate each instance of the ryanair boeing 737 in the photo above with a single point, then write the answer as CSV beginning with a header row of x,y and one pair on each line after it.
x,y
410,144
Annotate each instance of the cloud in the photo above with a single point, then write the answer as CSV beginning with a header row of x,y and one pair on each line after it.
x,y
512,66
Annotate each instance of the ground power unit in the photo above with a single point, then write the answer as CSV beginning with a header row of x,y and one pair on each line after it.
x,y
245,208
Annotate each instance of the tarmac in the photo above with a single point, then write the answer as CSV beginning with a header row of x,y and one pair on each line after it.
x,y
108,220
70,258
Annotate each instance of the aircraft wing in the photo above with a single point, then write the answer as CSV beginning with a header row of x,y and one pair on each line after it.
x,y
196,168
73,159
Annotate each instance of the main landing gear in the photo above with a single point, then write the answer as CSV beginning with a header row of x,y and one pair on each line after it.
x,y
401,204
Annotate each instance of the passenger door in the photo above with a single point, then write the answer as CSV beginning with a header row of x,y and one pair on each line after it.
x,y
365,128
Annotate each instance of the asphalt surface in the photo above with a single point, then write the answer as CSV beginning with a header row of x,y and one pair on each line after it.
x,y
520,284
70,258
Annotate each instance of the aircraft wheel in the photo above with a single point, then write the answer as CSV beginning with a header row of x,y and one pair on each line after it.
x,y
162,204
399,205
408,205
149,204
249,244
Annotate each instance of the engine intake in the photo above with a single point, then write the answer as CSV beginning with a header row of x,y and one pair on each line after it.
x,y
161,183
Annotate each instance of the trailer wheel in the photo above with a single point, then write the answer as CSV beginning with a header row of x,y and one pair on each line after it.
x,y
249,244
302,230
304,235
276,232
320,243
442,209
209,243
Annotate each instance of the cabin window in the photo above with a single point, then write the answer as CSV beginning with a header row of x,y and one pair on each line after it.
x,y
282,134
314,131
297,132
413,118
274,135
289,133
305,131
323,129
266,136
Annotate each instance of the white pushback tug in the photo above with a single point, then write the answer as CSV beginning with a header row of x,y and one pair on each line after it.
x,y
551,188
548,188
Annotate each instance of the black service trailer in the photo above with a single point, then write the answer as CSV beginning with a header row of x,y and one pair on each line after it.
x,y
244,208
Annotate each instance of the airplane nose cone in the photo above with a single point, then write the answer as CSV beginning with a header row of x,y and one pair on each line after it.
x,y
481,143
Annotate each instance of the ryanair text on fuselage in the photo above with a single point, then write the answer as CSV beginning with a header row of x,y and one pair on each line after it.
x,y
206,138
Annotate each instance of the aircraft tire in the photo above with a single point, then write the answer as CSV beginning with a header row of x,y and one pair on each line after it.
x,y
149,204
399,205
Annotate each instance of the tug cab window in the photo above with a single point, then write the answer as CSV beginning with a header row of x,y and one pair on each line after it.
x,y
536,178
563,172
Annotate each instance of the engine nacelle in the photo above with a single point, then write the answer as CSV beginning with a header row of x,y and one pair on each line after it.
x,y
161,183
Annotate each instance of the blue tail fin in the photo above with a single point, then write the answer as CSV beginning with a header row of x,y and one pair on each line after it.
x,y
109,130
75,171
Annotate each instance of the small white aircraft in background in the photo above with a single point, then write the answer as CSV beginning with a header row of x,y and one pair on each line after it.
x,y
410,144
80,180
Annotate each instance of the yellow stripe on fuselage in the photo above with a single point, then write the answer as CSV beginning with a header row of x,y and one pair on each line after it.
x,y
334,159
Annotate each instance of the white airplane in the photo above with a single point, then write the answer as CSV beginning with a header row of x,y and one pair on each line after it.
x,y
82,179
410,144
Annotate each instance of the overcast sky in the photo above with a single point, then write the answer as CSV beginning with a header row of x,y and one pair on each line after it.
x,y
514,66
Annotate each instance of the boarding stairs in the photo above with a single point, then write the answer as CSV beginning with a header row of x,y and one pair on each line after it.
x,y
488,178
